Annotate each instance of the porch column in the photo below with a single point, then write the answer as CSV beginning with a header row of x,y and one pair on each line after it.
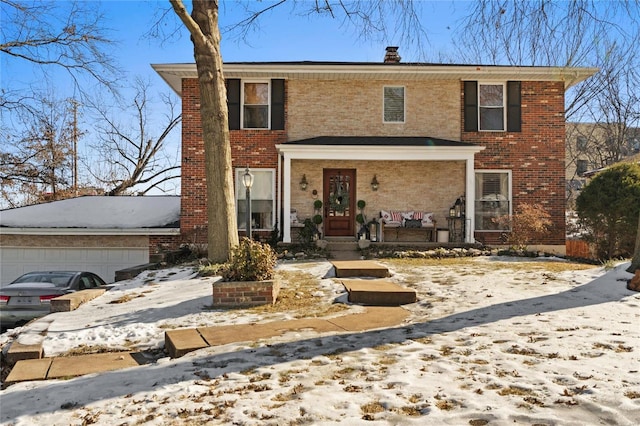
x,y
470,194
286,199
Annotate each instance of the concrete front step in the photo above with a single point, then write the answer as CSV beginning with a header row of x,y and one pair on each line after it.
x,y
18,352
71,302
359,268
378,293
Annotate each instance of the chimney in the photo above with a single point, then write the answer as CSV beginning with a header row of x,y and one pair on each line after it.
x,y
392,57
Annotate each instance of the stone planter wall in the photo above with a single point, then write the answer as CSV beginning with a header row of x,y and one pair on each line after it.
x,y
245,293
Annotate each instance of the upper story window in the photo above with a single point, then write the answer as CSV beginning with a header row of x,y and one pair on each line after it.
x,y
393,104
255,105
491,107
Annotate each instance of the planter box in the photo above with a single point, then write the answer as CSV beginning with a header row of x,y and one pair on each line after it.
x,y
245,293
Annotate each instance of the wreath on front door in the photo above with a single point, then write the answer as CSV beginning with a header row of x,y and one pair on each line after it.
x,y
339,202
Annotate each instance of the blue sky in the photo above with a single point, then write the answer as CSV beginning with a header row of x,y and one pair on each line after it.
x,y
282,34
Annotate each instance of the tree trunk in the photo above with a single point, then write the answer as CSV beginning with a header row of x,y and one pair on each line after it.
x,y
222,232
635,262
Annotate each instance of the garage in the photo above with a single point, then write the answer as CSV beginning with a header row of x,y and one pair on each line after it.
x,y
95,234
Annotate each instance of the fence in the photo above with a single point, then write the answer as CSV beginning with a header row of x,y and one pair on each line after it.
x,y
579,249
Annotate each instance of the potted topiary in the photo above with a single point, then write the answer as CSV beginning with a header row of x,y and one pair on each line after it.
x,y
248,278
317,221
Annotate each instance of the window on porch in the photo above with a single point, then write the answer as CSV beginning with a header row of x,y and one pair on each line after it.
x,y
262,199
493,199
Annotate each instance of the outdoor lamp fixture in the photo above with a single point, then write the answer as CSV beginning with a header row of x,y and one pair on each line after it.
x,y
458,207
374,183
247,180
452,211
304,183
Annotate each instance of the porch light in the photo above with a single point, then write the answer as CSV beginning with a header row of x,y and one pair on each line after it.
x,y
374,183
458,208
452,211
304,183
247,180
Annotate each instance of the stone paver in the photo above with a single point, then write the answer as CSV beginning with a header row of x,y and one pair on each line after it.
x,y
86,364
378,292
359,268
30,369
18,352
70,302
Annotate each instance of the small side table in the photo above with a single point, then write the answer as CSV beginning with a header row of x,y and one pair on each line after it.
x,y
456,229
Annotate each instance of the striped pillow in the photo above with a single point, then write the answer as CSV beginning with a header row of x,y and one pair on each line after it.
x,y
396,216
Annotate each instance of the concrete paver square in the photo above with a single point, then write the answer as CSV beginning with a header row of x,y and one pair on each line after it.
x,y
374,317
180,342
86,364
29,369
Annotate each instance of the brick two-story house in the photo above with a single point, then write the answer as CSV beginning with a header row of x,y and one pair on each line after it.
x,y
400,136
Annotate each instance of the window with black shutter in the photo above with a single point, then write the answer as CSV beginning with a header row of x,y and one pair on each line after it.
x,y
492,106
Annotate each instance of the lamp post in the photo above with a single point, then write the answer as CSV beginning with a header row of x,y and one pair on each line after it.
x,y
247,180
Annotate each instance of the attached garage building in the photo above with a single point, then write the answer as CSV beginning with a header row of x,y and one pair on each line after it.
x,y
94,233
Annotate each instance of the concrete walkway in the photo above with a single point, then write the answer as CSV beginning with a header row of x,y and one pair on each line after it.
x,y
180,342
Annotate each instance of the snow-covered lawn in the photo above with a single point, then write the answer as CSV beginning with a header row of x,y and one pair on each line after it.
x,y
490,341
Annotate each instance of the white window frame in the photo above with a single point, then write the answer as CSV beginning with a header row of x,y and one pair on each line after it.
x,y
478,195
241,193
504,105
242,84
404,104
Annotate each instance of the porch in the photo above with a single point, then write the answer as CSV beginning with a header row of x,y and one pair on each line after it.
x,y
326,178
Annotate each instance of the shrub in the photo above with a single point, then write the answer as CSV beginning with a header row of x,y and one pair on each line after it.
x,y
317,204
360,218
361,204
317,219
250,261
529,224
608,209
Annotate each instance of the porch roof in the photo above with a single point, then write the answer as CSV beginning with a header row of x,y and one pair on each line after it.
x,y
378,148
395,141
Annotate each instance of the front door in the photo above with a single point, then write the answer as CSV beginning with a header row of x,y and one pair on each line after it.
x,y
339,191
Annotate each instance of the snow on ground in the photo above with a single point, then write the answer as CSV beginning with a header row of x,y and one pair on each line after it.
x,y
488,342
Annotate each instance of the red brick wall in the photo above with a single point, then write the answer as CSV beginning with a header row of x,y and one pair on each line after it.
x,y
535,155
158,243
253,148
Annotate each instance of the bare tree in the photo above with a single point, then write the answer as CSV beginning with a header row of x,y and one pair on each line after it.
x,y
132,154
203,26
36,164
54,35
551,33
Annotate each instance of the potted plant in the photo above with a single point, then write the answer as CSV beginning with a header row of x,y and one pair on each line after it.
x,y
252,265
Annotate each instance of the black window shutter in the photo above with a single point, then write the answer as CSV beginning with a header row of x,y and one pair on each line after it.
x,y
277,104
514,114
233,103
470,106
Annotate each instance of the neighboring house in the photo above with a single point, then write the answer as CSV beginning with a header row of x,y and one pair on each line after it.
x,y
428,134
593,146
93,233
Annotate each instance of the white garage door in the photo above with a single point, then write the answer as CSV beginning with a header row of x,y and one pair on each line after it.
x,y
15,261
